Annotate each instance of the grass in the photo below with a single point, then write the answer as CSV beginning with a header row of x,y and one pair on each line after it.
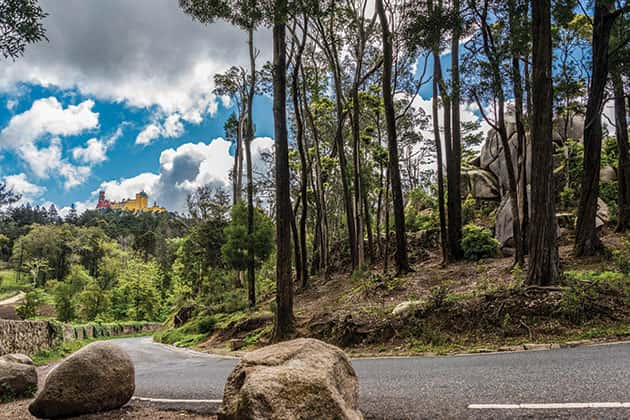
x,y
9,287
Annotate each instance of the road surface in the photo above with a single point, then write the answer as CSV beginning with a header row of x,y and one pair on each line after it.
x,y
13,300
476,386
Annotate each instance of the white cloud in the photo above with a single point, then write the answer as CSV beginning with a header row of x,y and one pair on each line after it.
x,y
11,104
183,170
44,122
42,160
21,185
171,128
150,133
94,152
74,175
80,207
145,53
47,116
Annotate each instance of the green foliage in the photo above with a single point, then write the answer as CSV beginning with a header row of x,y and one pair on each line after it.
x,y
33,300
587,290
478,242
469,207
236,249
21,25
621,257
64,303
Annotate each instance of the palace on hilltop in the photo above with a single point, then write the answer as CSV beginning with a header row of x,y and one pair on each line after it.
x,y
138,204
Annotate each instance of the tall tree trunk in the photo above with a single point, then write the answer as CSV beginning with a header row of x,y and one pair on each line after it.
x,y
322,216
297,254
299,122
454,165
387,231
544,263
587,241
356,158
517,87
437,75
251,261
402,261
284,324
623,173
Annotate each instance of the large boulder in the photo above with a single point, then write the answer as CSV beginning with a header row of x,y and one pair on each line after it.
x,y
479,183
503,229
17,358
492,157
17,380
299,379
603,214
607,174
97,378
571,128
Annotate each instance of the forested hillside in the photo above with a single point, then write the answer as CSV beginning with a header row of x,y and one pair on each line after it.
x,y
493,214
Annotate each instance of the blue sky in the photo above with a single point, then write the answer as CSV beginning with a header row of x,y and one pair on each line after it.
x,y
120,99
124,158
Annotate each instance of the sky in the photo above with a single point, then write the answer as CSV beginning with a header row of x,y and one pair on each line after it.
x,y
120,99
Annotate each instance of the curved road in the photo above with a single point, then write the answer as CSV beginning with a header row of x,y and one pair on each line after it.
x,y
424,387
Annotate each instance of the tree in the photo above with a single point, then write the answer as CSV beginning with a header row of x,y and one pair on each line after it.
x,y
20,24
587,241
240,242
284,324
621,64
247,14
63,297
402,261
543,252
7,195
454,161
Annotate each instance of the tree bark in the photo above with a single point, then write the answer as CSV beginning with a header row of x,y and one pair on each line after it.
x,y
517,86
623,172
587,241
299,135
437,76
251,261
454,164
544,263
402,261
284,326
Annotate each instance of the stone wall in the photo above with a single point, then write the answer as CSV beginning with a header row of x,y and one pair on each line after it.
x,y
25,336
29,337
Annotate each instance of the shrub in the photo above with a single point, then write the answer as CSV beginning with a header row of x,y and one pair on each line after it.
x,y
32,302
622,257
478,243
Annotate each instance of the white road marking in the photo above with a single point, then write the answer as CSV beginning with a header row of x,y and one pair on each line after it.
x,y
549,406
175,401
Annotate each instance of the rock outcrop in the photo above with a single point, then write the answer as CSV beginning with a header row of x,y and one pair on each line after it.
x,y
479,183
299,379
487,179
97,378
17,380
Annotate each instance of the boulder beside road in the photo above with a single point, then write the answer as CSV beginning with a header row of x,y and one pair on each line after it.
x,y
298,379
17,380
99,377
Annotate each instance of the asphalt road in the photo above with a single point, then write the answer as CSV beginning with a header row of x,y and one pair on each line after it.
x,y
425,387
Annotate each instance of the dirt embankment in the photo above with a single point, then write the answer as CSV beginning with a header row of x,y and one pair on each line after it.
x,y
462,307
